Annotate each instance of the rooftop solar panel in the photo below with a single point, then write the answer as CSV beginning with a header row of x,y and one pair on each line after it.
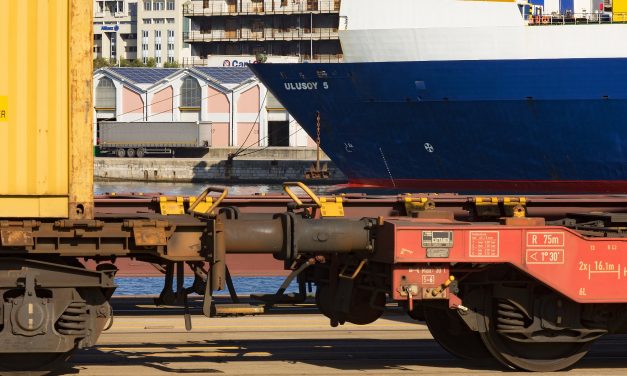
x,y
227,75
144,75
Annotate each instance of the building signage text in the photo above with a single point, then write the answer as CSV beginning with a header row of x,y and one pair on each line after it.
x,y
110,28
305,86
236,63
4,109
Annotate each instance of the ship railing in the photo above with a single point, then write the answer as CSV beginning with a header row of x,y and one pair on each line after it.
x,y
576,18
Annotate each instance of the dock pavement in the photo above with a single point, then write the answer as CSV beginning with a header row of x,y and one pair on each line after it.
x,y
290,340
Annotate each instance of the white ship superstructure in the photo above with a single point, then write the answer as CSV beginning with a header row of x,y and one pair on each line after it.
x,y
436,30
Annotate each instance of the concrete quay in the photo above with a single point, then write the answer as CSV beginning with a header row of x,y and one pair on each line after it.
x,y
273,165
286,342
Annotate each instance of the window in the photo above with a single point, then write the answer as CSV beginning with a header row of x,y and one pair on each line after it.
x,y
170,45
170,59
105,93
114,50
158,46
170,20
147,5
147,21
170,4
159,20
190,93
130,49
205,26
145,46
132,9
257,5
158,5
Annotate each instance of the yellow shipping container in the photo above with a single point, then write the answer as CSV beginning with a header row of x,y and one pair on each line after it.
x,y
619,10
46,157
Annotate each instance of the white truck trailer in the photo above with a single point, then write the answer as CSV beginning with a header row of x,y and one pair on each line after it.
x,y
138,139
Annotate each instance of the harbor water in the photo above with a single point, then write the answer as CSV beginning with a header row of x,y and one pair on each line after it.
x,y
243,285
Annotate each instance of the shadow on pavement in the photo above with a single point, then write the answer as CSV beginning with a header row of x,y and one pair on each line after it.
x,y
339,354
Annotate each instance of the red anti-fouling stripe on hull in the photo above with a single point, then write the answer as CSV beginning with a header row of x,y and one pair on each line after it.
x,y
498,186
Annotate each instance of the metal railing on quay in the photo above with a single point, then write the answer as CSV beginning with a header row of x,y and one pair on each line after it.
x,y
261,8
266,34
576,19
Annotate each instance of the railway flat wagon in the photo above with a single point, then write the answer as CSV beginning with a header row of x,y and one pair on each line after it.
x,y
529,281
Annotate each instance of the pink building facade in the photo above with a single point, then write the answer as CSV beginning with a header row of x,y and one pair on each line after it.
x,y
241,111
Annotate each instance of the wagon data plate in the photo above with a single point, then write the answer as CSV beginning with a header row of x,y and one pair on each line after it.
x,y
437,239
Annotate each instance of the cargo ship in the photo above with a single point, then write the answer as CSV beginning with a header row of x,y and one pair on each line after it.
x,y
469,96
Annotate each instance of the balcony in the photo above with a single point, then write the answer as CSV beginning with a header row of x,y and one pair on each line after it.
x,y
261,8
262,35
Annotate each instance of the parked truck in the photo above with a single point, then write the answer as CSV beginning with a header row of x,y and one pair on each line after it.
x,y
138,139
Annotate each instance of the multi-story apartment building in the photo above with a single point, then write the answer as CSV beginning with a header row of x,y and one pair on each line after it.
x,y
307,29
115,29
160,29
140,29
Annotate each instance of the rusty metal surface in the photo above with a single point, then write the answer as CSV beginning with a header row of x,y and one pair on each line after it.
x,y
150,236
16,238
81,178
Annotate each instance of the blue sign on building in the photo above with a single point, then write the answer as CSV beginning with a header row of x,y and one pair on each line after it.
x,y
110,28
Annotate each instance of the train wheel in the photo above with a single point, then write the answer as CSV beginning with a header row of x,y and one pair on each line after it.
x,y
557,353
324,300
546,357
121,153
141,152
448,329
130,152
366,307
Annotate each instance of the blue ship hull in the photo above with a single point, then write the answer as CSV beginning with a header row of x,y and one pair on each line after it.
x,y
514,126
